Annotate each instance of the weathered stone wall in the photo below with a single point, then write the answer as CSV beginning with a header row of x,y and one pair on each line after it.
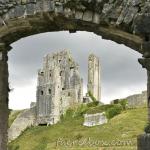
x,y
4,89
137,100
125,13
148,94
143,140
134,101
24,120
94,119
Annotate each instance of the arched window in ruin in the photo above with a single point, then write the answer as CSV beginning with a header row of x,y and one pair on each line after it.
x,y
42,73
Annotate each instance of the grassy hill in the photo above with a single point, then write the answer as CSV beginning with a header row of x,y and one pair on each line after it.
x,y
120,133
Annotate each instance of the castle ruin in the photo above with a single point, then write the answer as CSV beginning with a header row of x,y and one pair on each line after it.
x,y
59,87
94,76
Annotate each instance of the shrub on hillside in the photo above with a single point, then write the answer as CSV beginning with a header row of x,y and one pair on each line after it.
x,y
92,109
93,104
113,111
68,114
147,128
124,104
13,147
80,111
106,107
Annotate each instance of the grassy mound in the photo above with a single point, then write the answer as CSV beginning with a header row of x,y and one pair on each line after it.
x,y
120,132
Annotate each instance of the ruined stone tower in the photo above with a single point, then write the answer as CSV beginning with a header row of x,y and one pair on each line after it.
x,y
94,76
59,87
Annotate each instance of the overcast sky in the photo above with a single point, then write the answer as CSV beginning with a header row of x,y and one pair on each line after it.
x,y
121,74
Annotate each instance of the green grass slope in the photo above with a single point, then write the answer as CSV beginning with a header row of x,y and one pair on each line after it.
x,y
120,132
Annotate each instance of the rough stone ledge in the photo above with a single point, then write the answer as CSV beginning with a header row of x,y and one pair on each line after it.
x,y
143,142
145,62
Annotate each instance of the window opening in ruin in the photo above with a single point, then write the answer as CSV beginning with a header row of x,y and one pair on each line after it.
x,y
61,100
84,100
69,94
79,94
42,92
44,124
59,61
49,91
63,88
71,68
60,73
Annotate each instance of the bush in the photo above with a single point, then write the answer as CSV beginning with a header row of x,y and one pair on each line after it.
x,y
147,128
68,114
93,104
13,147
115,110
98,109
106,107
123,103
94,110
80,111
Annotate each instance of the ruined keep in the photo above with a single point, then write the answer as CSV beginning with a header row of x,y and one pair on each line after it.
x,y
94,76
59,87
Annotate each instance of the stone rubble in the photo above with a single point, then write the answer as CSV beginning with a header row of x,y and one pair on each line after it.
x,y
91,120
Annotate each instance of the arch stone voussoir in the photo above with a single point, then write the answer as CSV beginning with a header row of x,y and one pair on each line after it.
x,y
125,22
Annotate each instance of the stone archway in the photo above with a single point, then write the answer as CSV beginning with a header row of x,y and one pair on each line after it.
x,y
125,22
